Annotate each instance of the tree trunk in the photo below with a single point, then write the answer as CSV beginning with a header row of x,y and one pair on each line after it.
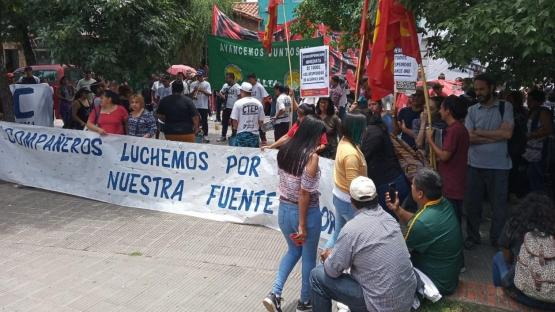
x,y
5,94
25,41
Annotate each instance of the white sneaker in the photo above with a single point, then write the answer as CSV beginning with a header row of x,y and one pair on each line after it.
x,y
342,308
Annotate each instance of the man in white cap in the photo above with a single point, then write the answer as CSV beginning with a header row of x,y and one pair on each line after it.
x,y
372,246
247,118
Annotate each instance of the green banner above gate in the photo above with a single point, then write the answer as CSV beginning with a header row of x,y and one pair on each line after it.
x,y
242,57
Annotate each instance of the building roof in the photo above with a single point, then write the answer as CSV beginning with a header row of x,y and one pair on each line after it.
x,y
247,9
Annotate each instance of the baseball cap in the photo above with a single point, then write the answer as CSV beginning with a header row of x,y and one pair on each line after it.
x,y
28,68
200,72
247,87
363,189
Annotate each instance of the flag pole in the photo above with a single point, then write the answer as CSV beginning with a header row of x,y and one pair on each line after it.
x,y
363,48
360,64
288,49
288,59
429,113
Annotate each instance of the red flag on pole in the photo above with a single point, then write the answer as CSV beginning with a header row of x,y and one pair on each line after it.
x,y
271,24
395,27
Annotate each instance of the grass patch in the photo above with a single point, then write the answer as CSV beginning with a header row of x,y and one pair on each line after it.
x,y
136,254
446,305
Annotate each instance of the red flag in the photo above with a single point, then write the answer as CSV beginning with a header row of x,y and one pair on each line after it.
x,y
271,25
395,27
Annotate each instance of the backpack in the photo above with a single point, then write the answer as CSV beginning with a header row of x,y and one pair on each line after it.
x,y
535,267
409,159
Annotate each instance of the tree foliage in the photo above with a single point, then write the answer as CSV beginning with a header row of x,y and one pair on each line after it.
x,y
118,39
193,42
514,39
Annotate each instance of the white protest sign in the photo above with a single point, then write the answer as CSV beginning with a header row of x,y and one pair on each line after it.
x,y
315,78
208,181
33,104
406,72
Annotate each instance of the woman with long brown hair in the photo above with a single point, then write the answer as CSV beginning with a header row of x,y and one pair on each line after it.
x,y
299,213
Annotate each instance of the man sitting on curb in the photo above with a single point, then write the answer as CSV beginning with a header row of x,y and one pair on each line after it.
x,y
433,234
371,245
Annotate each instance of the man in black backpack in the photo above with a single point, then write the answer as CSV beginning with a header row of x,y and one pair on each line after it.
x,y
540,126
490,125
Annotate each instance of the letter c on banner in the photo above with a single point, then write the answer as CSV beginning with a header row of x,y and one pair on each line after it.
x,y
329,220
16,107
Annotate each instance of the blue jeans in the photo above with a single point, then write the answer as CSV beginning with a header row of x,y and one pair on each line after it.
x,y
343,213
343,289
288,217
499,269
496,185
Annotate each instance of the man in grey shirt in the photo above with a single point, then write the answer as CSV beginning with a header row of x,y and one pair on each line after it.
x,y
490,126
371,245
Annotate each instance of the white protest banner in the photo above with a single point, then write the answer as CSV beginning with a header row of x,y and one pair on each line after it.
x,y
208,181
315,77
406,72
33,104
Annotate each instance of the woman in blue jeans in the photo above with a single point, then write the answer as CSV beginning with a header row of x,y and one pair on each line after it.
x,y
349,164
299,214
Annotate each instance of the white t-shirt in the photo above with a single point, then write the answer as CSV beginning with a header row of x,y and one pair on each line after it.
x,y
162,91
187,87
232,94
248,111
84,83
259,92
201,101
155,85
343,99
283,102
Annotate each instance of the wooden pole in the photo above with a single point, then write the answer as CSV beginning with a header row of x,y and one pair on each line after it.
x,y
287,40
361,61
427,101
289,59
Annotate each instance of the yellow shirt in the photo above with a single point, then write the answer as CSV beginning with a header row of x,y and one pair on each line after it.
x,y
349,164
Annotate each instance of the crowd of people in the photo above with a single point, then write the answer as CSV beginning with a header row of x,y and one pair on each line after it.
x,y
396,228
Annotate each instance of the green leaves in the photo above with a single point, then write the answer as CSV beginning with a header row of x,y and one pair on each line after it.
x,y
513,38
120,39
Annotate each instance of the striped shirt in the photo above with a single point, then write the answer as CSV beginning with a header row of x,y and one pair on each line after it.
x,y
290,187
371,244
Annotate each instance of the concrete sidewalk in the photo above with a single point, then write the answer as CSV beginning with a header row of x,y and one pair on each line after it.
x,y
63,253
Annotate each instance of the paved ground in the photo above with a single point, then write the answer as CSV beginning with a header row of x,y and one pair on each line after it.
x,y
63,253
